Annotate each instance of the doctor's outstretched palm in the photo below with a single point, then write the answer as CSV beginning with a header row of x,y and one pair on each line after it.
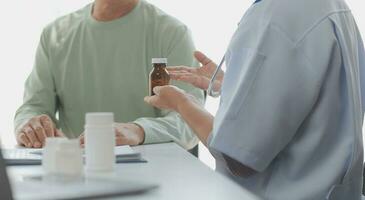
x,y
198,77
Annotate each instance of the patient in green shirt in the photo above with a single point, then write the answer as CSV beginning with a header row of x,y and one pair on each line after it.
x,y
98,59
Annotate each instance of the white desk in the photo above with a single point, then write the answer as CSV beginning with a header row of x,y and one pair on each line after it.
x,y
179,175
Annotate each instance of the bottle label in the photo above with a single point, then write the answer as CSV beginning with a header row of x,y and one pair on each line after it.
x,y
158,77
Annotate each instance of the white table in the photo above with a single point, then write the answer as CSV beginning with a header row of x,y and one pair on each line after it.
x,y
178,174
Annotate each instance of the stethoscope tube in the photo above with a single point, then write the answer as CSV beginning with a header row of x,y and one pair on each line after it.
x,y
210,90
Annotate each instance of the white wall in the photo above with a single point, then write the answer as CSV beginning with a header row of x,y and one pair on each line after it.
x,y
21,24
212,23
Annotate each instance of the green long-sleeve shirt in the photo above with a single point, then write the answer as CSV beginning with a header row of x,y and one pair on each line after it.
x,y
83,65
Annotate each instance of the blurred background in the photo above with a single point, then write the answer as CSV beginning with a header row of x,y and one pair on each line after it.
x,y
212,23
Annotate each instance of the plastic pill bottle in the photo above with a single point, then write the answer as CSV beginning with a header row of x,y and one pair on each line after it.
x,y
99,142
68,158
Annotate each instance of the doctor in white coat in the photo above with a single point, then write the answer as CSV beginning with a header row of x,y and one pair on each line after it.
x,y
289,124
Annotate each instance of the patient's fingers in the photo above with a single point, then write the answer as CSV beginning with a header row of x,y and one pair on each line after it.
x,y
47,124
23,139
39,132
82,138
31,135
120,139
58,133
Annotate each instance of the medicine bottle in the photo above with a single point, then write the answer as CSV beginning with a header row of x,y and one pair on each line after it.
x,y
159,75
68,158
99,142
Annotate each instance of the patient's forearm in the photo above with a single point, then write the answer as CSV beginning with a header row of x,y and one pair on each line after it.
x,y
199,119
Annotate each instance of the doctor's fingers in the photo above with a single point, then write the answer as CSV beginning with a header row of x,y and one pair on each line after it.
x,y
177,69
201,82
205,71
177,74
48,125
158,90
155,101
202,58
202,72
151,99
162,102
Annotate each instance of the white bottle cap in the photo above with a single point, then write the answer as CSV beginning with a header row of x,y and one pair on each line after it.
x,y
68,144
54,141
99,118
159,60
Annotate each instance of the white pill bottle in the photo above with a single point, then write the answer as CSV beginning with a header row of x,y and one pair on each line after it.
x,y
99,142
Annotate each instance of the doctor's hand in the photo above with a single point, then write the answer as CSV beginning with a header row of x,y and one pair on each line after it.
x,y
169,97
125,134
33,133
198,77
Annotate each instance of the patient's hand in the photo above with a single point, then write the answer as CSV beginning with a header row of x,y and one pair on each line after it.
x,y
33,133
125,134
129,134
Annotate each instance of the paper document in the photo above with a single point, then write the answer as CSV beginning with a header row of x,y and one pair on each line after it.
x,y
27,156
84,188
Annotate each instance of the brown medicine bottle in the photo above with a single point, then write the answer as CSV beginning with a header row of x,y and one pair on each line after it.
x,y
159,75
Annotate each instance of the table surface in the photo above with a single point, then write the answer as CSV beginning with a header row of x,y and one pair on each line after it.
x,y
178,174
